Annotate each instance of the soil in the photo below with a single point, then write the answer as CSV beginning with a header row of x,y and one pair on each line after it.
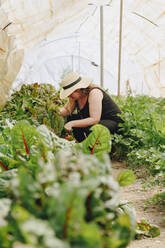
x,y
136,194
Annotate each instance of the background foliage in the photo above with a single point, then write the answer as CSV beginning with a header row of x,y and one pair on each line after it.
x,y
58,193
143,133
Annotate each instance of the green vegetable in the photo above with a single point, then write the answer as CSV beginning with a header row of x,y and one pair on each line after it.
x,y
98,142
126,177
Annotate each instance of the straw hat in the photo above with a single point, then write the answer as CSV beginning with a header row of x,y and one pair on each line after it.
x,y
72,82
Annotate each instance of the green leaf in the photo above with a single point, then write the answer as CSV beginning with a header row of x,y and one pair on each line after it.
x,y
146,229
98,142
120,239
126,177
154,231
37,104
88,236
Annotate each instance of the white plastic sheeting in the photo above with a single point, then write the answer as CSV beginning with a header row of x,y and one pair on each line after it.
x,y
48,62
28,22
10,63
39,26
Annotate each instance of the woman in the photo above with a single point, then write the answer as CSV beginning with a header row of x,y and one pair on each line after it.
x,y
93,106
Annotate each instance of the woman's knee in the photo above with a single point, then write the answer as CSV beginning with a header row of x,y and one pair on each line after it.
x,y
111,125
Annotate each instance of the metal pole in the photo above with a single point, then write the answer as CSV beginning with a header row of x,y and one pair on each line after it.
x,y
101,47
120,46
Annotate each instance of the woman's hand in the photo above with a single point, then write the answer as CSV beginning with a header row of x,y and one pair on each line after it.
x,y
68,108
68,126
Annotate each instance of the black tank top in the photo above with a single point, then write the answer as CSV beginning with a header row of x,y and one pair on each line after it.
x,y
110,110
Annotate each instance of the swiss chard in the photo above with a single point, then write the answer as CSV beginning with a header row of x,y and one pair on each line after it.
x,y
98,142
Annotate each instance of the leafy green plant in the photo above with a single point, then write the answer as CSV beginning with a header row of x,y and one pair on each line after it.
x,y
126,177
65,201
146,229
23,141
159,198
62,194
37,103
98,141
20,142
143,138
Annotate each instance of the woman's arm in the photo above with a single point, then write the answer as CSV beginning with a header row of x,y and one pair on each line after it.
x,y
95,110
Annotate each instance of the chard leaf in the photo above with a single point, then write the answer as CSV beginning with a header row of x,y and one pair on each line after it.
x,y
23,137
146,229
7,162
154,231
98,142
37,103
126,177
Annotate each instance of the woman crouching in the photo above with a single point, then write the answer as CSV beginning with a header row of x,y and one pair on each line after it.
x,y
93,106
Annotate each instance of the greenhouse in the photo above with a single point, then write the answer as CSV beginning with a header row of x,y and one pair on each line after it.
x,y
82,123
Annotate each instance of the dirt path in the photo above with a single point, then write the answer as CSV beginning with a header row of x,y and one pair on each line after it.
x,y
138,196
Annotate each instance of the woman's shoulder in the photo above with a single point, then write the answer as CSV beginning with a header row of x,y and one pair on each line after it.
x,y
95,87
95,93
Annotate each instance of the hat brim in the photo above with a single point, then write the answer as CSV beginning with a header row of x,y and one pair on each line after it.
x,y
84,83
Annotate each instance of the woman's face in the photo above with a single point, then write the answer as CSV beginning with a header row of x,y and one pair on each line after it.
x,y
75,95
